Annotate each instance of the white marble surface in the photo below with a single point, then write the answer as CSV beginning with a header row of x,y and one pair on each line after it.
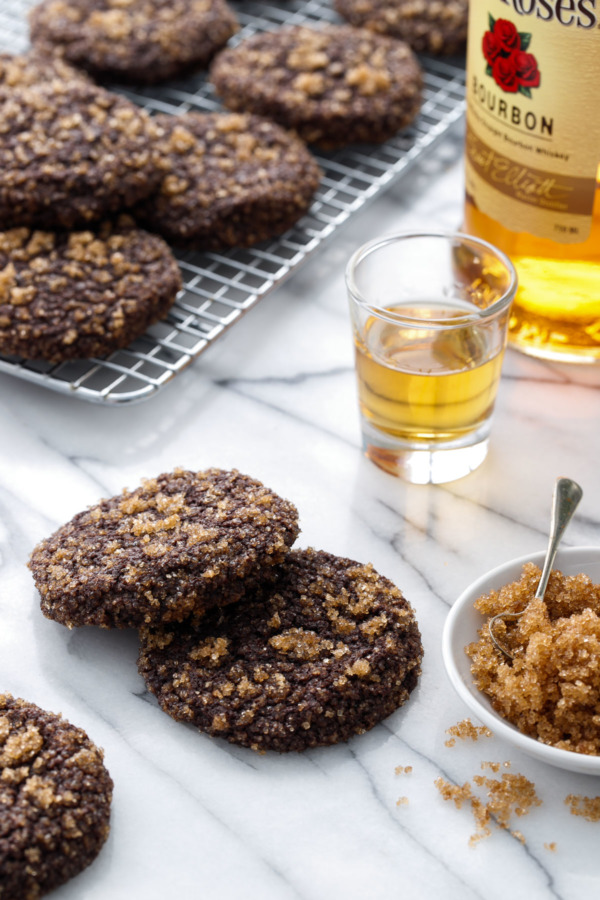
x,y
198,818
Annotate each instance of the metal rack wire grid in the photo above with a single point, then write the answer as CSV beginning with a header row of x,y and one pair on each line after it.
x,y
219,288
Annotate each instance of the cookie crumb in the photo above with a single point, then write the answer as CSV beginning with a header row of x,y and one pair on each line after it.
x,y
402,801
403,770
551,846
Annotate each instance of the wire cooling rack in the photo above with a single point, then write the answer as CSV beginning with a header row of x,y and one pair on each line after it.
x,y
219,288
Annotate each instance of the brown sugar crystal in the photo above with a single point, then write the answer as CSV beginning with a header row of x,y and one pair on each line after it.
x,y
466,730
587,807
511,794
551,689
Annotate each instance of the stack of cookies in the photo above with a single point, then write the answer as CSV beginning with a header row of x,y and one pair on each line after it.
x,y
270,647
78,277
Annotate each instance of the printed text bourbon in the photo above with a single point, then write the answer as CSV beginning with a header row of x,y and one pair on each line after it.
x,y
533,164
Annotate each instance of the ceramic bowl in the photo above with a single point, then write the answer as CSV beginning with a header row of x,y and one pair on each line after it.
x,y
461,629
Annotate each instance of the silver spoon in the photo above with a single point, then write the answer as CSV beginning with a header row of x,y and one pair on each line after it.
x,y
567,495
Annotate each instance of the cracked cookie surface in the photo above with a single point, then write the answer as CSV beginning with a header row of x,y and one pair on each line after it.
x,y
179,544
143,41
55,796
72,153
333,85
32,68
326,652
230,180
428,26
84,293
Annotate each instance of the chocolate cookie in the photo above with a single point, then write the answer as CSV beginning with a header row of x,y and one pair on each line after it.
x,y
32,68
325,653
72,153
230,180
143,41
84,293
333,86
180,543
429,26
55,796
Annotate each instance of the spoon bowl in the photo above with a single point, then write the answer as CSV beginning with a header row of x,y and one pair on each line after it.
x,y
461,628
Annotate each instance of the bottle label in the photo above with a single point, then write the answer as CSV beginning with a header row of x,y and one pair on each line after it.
x,y
533,114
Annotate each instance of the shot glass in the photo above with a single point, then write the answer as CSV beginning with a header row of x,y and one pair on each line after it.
x,y
429,314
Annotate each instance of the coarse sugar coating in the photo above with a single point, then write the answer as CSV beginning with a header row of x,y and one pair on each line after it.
x,y
72,153
144,41
79,294
428,26
229,180
180,543
55,796
32,68
326,652
551,689
333,85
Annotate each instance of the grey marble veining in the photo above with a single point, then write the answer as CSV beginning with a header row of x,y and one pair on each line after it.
x,y
195,817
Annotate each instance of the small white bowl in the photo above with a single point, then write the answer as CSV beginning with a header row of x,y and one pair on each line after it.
x,y
461,629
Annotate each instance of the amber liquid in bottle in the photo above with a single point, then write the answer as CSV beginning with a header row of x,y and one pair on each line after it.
x,y
556,313
532,164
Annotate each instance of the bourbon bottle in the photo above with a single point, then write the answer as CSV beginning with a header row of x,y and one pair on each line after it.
x,y
533,164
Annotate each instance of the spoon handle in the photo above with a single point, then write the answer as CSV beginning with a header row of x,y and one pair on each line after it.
x,y
567,495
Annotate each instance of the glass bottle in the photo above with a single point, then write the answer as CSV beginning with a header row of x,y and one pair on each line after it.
x,y
533,164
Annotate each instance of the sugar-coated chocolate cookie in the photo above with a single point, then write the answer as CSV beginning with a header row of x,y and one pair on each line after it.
x,y
429,26
30,68
180,543
144,41
55,796
230,180
333,85
72,153
71,295
326,652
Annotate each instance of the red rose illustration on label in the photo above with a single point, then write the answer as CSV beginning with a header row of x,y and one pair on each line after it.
x,y
510,65
528,74
504,73
507,35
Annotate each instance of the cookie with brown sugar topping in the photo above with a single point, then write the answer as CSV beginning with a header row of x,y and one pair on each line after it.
x,y
55,796
25,69
72,153
428,26
84,293
326,652
333,85
229,180
142,41
179,544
